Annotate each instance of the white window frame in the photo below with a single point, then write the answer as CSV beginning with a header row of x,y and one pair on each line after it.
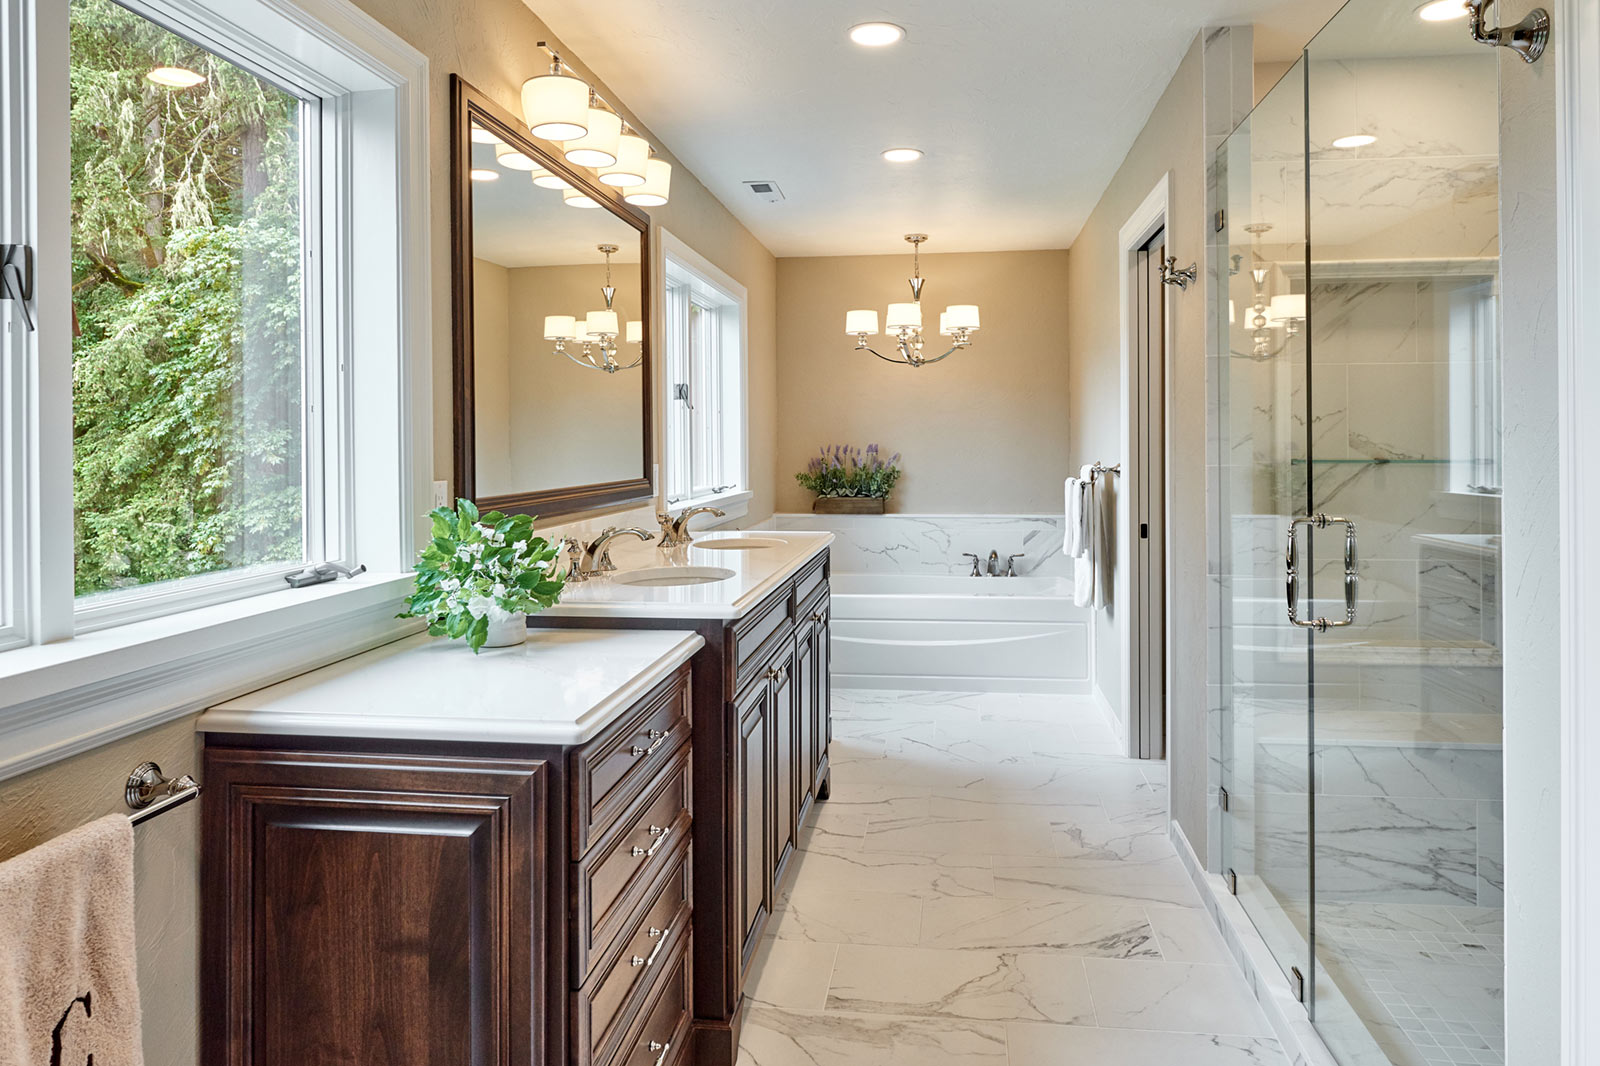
x,y
67,684
691,279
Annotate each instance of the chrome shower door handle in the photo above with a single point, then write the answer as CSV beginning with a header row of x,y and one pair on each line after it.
x,y
1291,573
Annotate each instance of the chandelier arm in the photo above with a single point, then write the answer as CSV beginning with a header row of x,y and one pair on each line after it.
x,y
589,363
946,355
885,358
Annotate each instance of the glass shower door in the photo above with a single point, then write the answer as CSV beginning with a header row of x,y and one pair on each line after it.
x,y
1403,225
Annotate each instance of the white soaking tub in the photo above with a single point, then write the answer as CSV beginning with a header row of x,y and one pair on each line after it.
x,y
1016,634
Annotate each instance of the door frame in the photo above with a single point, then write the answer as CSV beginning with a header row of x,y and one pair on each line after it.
x,y
1149,218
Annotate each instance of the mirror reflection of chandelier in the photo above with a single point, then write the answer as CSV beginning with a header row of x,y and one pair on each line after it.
x,y
903,321
1286,311
597,331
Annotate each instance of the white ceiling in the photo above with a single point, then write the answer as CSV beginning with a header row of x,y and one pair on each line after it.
x,y
1024,108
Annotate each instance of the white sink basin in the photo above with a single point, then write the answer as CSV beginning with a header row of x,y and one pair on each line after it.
x,y
667,576
739,544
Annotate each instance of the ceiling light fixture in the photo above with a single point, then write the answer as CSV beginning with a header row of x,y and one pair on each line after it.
x,y
1355,140
1443,10
175,77
903,155
480,174
903,321
876,34
597,332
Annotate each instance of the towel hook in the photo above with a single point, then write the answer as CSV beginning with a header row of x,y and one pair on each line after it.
x,y
149,792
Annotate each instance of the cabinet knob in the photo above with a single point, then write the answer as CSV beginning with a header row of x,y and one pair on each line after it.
x,y
816,616
655,1045
637,960
775,673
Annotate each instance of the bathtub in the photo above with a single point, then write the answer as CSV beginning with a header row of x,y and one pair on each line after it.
x,y
1018,634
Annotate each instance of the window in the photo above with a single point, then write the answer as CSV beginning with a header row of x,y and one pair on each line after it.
x,y
704,386
196,354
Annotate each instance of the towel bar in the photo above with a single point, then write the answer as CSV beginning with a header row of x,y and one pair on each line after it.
x,y
149,792
1100,468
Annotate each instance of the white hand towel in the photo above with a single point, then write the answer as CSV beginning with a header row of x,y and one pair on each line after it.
x,y
1085,562
67,968
1072,542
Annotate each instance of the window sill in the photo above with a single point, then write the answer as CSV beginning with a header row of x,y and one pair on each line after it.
x,y
64,698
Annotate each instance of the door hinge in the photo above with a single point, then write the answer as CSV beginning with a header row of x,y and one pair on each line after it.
x,y
1233,882
1222,219
1222,798
1297,981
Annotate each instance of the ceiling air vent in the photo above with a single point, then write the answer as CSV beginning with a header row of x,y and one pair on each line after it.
x,y
766,190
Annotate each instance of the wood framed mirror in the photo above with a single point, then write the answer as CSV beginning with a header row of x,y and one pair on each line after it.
x,y
545,424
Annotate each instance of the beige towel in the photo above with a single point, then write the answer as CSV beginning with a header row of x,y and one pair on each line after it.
x,y
68,987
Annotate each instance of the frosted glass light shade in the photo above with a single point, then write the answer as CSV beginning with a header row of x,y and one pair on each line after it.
x,y
560,327
657,181
633,154
903,316
598,147
556,107
1287,308
859,322
962,316
578,198
546,180
601,323
635,334
512,159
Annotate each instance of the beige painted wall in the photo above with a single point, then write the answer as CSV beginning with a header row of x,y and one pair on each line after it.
x,y
1172,142
491,375
983,432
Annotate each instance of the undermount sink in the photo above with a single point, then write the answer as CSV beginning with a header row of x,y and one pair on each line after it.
x,y
668,576
739,544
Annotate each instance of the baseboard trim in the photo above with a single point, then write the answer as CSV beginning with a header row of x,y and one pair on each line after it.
x,y
1302,1045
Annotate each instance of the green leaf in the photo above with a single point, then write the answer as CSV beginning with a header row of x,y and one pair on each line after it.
x,y
478,633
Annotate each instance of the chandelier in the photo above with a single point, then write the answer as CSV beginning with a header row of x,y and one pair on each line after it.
x,y
597,332
903,321
1286,311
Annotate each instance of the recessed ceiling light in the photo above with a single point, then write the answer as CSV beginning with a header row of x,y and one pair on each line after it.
x,y
1355,140
1442,10
176,77
478,174
903,155
876,34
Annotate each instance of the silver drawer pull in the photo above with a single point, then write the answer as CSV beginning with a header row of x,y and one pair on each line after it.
x,y
774,673
655,1045
817,617
661,834
637,960
657,934
651,961
1291,572
656,736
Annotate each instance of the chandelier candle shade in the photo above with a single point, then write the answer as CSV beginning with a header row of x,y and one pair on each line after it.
x,y
903,321
596,332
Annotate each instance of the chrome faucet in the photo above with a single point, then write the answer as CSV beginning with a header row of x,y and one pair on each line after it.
x,y
675,531
977,564
1011,563
994,563
596,558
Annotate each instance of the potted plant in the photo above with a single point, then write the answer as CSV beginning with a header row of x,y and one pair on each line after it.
x,y
482,575
850,480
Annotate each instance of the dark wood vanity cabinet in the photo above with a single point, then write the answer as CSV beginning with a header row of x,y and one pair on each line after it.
x,y
481,904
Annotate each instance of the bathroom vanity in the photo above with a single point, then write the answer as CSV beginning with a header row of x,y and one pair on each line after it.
x,y
564,852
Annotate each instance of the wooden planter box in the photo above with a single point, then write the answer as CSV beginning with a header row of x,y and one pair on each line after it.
x,y
849,505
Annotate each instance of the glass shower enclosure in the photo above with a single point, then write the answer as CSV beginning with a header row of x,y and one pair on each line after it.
x,y
1358,522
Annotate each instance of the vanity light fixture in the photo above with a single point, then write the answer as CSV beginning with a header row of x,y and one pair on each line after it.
x,y
546,180
578,198
598,147
633,155
1355,140
175,77
482,174
483,136
597,332
1442,11
512,159
876,34
556,105
903,321
903,155
657,182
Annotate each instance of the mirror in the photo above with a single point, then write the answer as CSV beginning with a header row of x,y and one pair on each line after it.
x,y
552,377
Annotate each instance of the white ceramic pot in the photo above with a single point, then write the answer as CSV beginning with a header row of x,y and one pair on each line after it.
x,y
506,630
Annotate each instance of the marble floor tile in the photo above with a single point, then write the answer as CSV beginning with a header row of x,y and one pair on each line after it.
x,y
920,876
1015,835
840,916
774,1037
791,973
1112,841
1173,996
985,985
1034,1044
1161,881
1187,935
1109,930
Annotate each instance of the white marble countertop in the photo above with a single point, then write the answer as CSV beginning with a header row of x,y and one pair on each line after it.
x,y
756,573
561,687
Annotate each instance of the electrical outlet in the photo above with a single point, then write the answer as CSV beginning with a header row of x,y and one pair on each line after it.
x,y
441,494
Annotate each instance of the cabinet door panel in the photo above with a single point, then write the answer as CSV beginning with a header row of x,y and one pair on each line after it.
x,y
785,765
805,694
822,723
751,783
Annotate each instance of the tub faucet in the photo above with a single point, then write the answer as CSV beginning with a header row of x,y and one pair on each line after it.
x,y
675,531
597,556
1011,563
994,563
977,565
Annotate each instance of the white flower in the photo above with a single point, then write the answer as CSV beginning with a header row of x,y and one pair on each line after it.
x,y
450,584
480,606
499,590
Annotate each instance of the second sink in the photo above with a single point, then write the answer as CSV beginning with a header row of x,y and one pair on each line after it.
x,y
667,576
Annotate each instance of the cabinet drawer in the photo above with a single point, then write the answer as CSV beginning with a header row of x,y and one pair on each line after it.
x,y
611,770
811,579
664,1036
601,1021
613,879
758,633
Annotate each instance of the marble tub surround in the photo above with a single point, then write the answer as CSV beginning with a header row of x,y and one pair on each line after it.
x,y
932,544
756,574
559,687
986,885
